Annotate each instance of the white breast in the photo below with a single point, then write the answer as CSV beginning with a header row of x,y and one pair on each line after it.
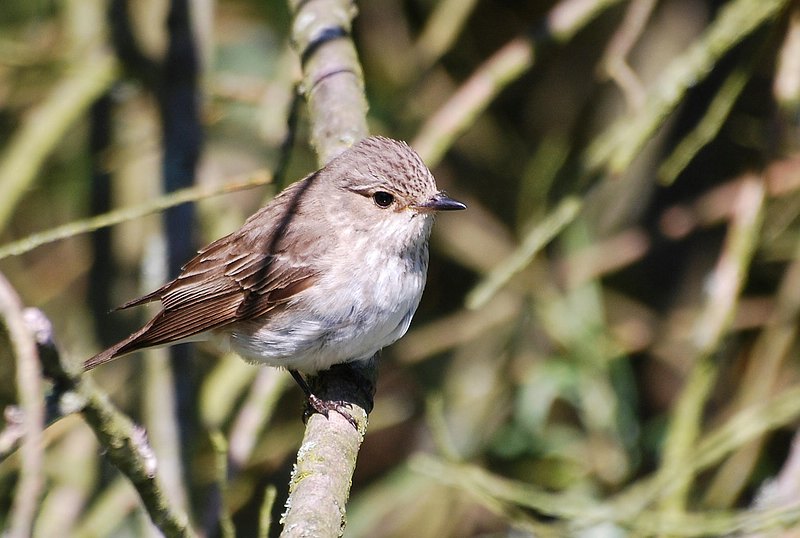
x,y
348,315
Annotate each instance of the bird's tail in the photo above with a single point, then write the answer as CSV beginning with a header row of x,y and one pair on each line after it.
x,y
123,347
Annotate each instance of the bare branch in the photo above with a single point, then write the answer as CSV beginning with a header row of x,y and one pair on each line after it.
x,y
124,442
614,64
21,334
117,216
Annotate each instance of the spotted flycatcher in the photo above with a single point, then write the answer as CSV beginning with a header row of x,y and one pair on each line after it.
x,y
330,271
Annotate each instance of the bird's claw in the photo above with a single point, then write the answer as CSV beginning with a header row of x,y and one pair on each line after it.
x,y
323,407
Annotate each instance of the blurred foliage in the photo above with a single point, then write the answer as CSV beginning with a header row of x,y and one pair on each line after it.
x,y
631,371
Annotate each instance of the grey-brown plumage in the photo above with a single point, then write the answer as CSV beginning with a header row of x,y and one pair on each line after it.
x,y
330,271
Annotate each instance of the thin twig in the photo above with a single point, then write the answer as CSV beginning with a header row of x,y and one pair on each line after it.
x,y
127,448
535,240
265,512
22,336
614,64
708,126
220,446
117,216
786,86
711,327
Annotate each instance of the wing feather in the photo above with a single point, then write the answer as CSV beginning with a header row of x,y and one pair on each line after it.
x,y
241,276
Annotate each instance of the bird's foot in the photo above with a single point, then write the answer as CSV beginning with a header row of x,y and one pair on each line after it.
x,y
323,407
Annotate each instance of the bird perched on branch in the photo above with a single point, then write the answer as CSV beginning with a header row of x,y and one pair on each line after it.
x,y
330,271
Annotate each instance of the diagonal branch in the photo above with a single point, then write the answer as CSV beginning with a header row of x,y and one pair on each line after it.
x,y
125,443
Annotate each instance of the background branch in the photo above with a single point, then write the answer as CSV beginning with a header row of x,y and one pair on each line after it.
x,y
505,66
615,149
46,125
125,214
31,410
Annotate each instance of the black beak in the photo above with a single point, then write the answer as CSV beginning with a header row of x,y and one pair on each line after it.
x,y
441,202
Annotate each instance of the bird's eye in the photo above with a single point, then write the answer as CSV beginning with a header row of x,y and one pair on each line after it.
x,y
383,198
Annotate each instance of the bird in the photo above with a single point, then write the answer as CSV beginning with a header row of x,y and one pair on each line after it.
x,y
330,271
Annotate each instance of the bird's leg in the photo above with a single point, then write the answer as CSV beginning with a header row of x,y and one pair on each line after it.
x,y
321,406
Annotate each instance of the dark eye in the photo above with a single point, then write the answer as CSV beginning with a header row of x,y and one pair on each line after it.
x,y
383,198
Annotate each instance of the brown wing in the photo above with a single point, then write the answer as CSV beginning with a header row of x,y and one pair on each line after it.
x,y
241,276
210,300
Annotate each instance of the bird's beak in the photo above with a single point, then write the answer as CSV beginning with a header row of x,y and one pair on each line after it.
x,y
441,202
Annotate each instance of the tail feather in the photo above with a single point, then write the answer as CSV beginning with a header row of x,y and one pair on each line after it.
x,y
117,350
123,347
166,328
149,298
